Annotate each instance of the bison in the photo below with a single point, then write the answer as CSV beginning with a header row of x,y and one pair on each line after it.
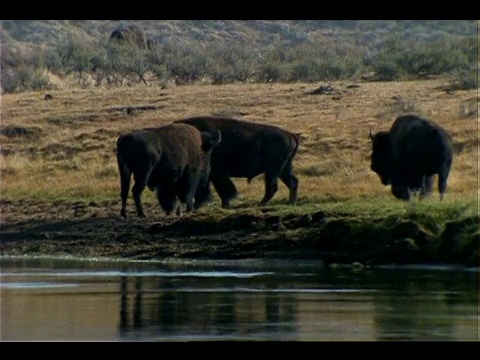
x,y
247,150
409,155
173,160
131,34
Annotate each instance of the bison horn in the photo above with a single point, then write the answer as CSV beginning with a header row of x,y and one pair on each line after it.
x,y
219,137
370,133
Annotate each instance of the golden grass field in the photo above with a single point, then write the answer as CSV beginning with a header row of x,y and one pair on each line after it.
x,y
64,147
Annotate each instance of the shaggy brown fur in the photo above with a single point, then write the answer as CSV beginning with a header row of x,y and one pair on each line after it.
x,y
173,160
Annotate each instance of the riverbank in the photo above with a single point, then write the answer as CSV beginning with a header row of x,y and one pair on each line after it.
x,y
64,148
95,230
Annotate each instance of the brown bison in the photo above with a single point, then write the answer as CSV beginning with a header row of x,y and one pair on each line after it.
x,y
409,155
131,34
173,160
247,150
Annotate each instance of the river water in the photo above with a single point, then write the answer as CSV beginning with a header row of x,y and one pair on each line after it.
x,y
250,300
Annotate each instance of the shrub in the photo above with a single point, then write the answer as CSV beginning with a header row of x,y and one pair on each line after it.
x,y
24,78
466,79
39,81
272,72
386,69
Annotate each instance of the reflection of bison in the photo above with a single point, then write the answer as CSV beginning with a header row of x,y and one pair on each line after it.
x,y
409,155
131,34
173,160
249,149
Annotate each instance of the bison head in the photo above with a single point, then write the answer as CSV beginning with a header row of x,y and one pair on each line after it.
x,y
203,194
210,140
401,192
381,157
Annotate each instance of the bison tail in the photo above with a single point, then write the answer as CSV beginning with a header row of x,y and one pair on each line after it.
x,y
295,144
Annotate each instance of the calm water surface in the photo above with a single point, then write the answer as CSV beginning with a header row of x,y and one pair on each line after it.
x,y
71,300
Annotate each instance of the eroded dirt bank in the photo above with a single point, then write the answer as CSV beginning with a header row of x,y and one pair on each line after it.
x,y
96,230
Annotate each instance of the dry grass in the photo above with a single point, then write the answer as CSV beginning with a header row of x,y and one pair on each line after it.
x,y
67,146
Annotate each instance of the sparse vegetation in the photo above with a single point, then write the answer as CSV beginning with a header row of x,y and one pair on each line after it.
x,y
243,51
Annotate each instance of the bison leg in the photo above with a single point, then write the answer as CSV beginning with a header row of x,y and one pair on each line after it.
x,y
186,189
167,198
401,192
137,191
442,180
140,179
189,200
291,182
179,210
225,188
175,205
427,186
271,187
125,175
202,195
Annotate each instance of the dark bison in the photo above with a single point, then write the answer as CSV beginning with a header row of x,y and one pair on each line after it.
x,y
409,155
152,43
249,149
131,34
173,160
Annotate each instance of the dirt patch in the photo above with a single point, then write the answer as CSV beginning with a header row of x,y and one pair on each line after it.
x,y
96,230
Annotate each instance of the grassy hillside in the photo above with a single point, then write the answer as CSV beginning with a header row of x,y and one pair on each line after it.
x,y
49,54
256,32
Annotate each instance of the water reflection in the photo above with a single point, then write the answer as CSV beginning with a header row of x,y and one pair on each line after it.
x,y
176,308
427,308
57,300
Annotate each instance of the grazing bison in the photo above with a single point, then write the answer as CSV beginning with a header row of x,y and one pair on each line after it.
x,y
249,149
409,155
173,160
152,43
132,34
